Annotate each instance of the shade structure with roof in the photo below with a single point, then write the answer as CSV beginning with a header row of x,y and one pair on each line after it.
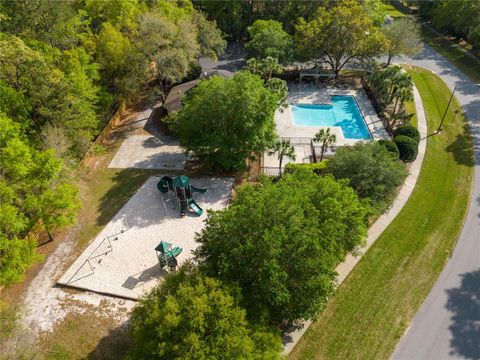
x,y
167,255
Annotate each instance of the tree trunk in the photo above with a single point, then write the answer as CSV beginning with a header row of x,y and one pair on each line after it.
x,y
280,165
323,150
389,59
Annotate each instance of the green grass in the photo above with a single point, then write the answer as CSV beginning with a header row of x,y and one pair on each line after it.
x,y
393,12
467,65
372,308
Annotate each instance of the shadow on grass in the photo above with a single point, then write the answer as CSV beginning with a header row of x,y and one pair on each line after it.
x,y
462,149
113,346
464,303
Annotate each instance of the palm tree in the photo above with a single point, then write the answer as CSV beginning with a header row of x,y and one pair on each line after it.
x,y
325,138
283,148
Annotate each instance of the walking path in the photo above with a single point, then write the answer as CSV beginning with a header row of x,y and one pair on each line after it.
x,y
447,324
290,339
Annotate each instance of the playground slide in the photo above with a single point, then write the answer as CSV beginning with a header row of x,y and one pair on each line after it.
x,y
195,189
164,183
194,206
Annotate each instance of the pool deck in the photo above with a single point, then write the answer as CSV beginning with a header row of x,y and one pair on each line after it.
x,y
306,94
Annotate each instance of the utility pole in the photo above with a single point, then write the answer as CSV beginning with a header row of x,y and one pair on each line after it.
x,y
446,110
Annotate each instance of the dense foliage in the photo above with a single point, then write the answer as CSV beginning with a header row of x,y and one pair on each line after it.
x,y
224,121
64,65
392,87
371,171
408,130
32,188
460,18
280,242
191,316
339,35
267,38
391,148
407,147
403,38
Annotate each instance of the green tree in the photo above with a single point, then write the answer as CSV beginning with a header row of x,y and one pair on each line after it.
x,y
264,67
283,149
191,316
33,187
209,37
171,47
371,171
403,36
325,138
376,10
268,39
224,121
55,22
338,35
280,242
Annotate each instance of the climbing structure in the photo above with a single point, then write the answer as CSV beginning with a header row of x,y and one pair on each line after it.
x,y
183,191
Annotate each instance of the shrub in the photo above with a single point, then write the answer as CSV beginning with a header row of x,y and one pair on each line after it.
x,y
407,147
409,131
372,171
316,168
391,148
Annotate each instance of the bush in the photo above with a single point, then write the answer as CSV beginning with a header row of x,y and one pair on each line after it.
x,y
407,147
316,168
408,131
372,172
191,316
391,148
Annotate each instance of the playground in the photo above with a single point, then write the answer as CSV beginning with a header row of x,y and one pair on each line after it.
x,y
157,225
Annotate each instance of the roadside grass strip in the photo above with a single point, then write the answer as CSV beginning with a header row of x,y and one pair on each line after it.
x,y
373,307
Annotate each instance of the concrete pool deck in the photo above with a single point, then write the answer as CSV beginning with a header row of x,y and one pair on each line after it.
x,y
306,94
121,261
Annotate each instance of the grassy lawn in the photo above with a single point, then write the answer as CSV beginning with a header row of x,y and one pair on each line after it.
x,y
467,65
372,308
392,11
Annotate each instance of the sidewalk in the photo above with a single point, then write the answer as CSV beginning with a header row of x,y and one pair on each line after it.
x,y
290,339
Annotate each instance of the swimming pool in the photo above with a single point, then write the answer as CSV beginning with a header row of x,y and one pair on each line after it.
x,y
343,112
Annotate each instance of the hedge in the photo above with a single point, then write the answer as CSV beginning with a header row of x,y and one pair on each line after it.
x,y
407,147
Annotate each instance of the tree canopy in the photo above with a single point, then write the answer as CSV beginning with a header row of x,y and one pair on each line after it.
x,y
268,39
403,36
32,188
225,121
338,35
371,171
191,316
280,242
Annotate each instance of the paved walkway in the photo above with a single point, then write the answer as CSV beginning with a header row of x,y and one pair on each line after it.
x,y
447,325
290,339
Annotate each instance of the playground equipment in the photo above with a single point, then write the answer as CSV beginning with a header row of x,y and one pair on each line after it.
x,y
183,191
167,255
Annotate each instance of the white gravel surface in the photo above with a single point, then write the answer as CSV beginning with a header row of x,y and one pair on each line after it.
x,y
126,265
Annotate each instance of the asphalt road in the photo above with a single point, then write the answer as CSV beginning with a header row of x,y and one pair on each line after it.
x,y
447,325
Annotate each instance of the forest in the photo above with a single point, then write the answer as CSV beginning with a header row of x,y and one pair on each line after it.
x,y
65,67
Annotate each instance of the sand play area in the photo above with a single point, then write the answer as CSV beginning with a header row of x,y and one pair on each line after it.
x,y
121,260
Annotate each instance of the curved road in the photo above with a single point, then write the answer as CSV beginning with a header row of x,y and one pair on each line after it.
x,y
447,325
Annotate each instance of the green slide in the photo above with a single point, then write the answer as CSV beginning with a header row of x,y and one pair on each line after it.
x,y
194,206
164,184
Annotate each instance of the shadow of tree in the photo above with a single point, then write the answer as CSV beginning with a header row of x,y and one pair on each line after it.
x,y
464,303
462,148
114,345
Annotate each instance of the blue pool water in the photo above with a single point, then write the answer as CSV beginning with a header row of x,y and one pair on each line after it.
x,y
343,112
